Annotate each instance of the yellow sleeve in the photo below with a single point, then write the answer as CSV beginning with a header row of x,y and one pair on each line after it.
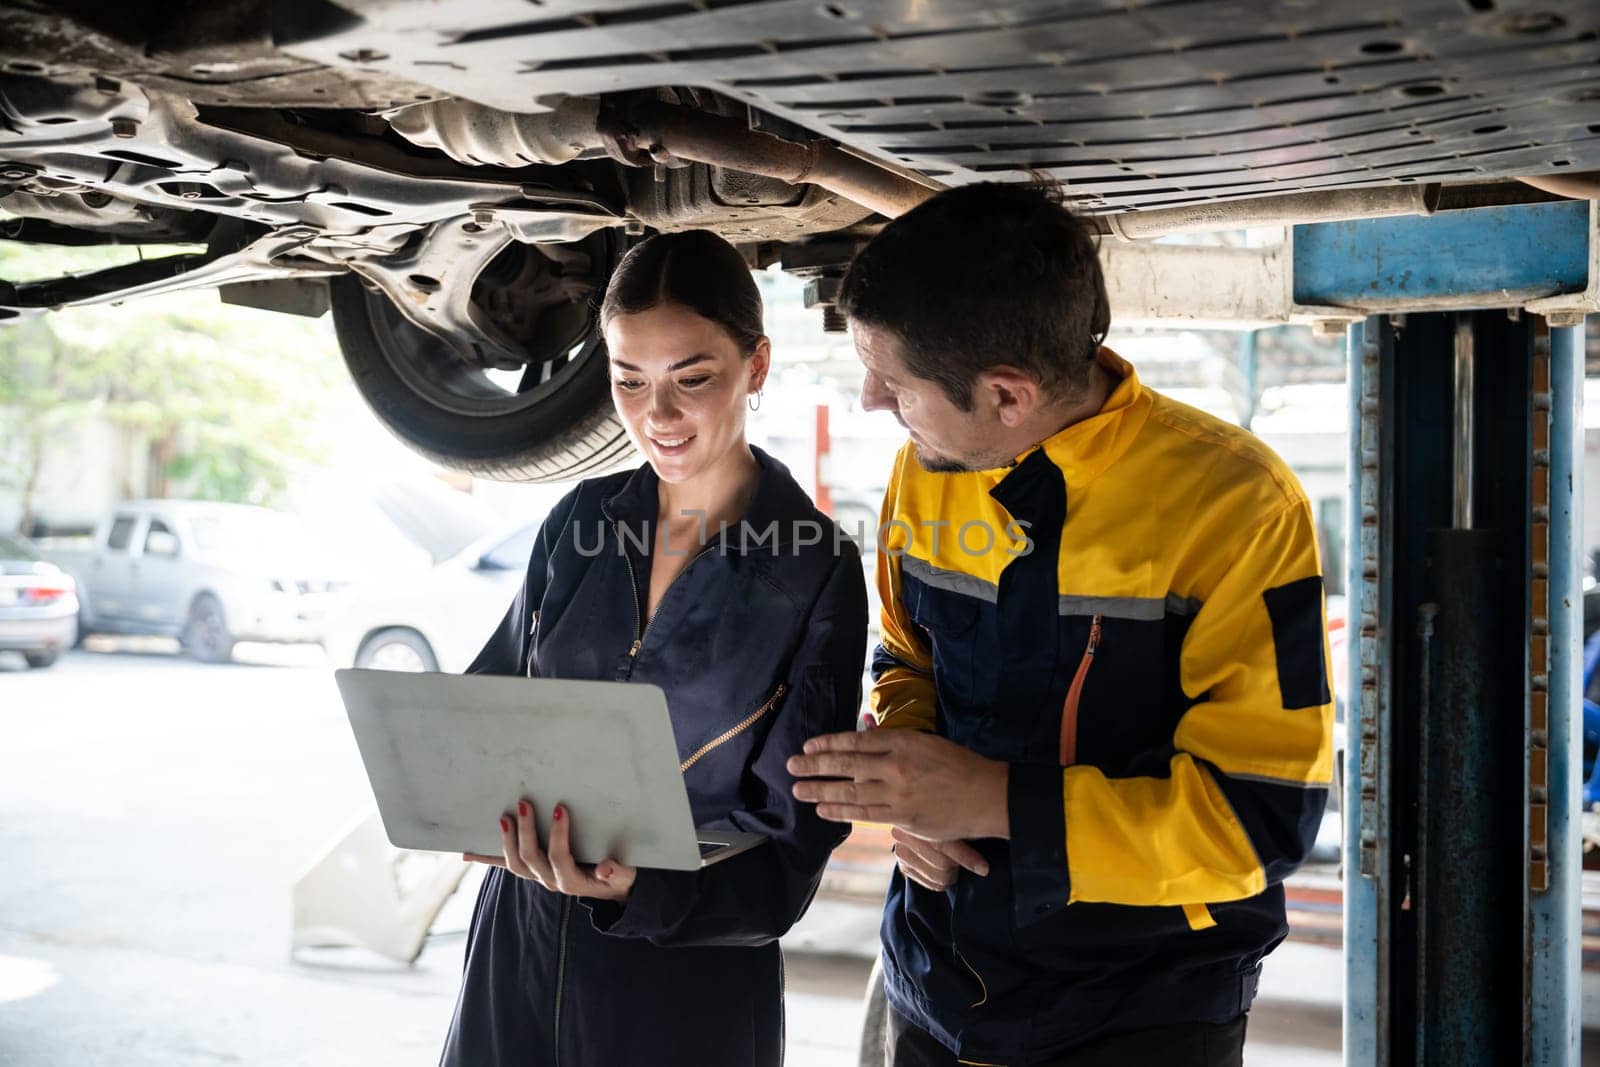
x,y
902,664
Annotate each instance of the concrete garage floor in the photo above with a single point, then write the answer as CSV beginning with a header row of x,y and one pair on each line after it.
x,y
154,813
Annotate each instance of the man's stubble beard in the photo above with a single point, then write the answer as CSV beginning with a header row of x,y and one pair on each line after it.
x,y
951,465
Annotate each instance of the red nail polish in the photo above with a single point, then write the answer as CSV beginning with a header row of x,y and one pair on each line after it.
x,y
505,824
559,812
522,808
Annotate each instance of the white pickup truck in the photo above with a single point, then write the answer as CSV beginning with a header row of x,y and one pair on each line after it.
x,y
209,574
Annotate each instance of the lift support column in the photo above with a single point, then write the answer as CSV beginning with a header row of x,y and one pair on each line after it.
x,y
1462,815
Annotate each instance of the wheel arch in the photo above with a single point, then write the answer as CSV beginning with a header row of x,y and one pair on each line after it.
x,y
405,628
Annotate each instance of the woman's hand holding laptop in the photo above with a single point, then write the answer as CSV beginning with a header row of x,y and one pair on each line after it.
x,y
555,869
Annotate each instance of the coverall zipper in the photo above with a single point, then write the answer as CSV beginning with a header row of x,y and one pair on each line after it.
x,y
1069,710
736,729
533,635
561,972
641,628
983,987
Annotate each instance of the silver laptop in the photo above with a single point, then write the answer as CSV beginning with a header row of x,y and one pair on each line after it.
x,y
448,754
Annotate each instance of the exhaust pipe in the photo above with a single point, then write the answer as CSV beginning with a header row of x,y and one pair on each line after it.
x,y
646,132
643,133
1331,206
486,136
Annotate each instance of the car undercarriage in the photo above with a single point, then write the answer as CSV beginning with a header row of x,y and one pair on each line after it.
x,y
457,181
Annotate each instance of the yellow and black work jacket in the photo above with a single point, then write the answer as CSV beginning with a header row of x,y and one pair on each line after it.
x,y
1131,617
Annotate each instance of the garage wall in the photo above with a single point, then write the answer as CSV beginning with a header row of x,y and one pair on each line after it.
x,y
92,466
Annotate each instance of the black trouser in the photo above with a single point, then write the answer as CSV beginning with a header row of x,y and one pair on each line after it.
x,y
1183,1044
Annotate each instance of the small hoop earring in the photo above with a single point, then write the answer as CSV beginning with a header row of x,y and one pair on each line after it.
x,y
755,401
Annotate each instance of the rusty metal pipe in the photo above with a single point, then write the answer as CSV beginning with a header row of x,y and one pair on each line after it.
x,y
1582,186
1335,205
662,133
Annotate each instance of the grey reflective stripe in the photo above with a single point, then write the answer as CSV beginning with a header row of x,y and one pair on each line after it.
x,y
950,581
1137,608
1183,605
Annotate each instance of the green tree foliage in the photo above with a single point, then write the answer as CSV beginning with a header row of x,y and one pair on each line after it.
x,y
226,399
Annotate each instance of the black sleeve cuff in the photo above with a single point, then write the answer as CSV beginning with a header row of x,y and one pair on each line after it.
x,y
603,914
1039,878
654,905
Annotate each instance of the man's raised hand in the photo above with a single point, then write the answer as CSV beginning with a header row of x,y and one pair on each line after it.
x,y
916,781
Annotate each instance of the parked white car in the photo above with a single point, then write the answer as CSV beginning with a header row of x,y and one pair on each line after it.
x,y
38,604
436,620
209,574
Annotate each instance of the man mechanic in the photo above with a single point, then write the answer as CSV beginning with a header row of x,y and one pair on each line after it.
x,y
1102,688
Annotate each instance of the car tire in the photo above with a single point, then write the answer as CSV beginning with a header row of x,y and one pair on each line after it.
x,y
397,649
206,636
41,659
555,425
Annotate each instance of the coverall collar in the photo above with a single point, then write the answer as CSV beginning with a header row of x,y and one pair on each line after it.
x,y
776,505
1084,450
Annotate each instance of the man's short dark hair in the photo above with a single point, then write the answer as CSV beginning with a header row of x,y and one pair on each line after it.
x,y
983,276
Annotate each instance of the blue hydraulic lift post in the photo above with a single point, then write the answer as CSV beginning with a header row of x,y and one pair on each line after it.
x,y
1366,727
1555,989
1405,994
